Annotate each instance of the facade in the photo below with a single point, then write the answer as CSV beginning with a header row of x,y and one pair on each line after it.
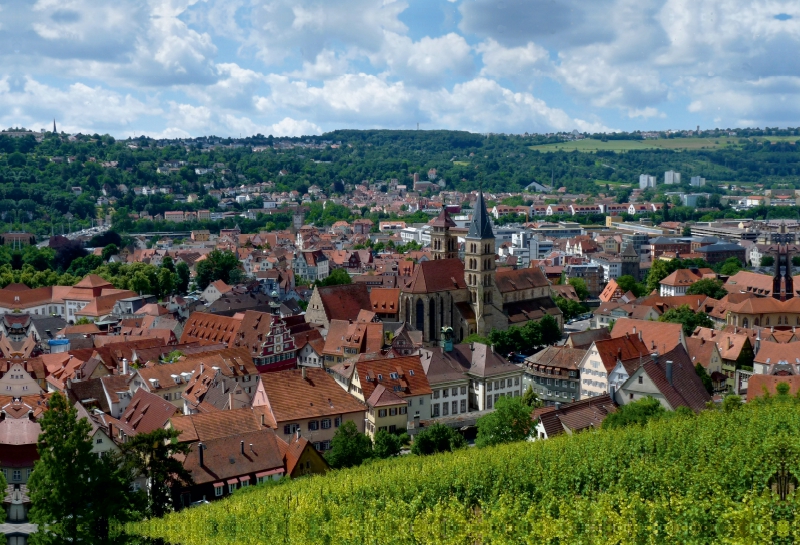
x,y
312,265
671,177
554,374
592,274
645,181
601,359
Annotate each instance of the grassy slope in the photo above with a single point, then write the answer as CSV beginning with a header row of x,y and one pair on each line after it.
x,y
682,480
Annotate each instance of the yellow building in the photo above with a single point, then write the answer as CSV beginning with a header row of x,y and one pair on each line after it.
x,y
385,411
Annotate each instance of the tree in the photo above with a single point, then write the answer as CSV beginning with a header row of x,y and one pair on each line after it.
x,y
731,402
796,260
637,413
530,399
550,331
510,421
386,444
335,278
166,282
580,288
437,438
687,317
628,283
708,286
182,285
153,456
767,261
218,265
70,494
168,263
349,447
704,376
570,308
730,266
110,250
659,270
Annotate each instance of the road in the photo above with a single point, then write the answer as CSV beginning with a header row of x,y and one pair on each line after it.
x,y
581,325
83,232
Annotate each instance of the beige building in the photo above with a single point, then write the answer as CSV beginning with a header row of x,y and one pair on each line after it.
x,y
385,411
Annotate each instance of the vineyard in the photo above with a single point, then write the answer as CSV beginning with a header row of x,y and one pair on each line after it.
x,y
720,477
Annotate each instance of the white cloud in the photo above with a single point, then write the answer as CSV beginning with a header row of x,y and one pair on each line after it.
x,y
426,62
512,62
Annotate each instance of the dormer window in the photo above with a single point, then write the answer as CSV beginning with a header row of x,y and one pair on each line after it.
x,y
380,378
394,375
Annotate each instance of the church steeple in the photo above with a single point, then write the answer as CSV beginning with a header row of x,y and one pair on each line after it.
x,y
479,267
443,244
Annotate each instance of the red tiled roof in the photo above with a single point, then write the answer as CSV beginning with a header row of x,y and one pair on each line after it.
x,y
437,275
521,279
344,302
209,328
625,347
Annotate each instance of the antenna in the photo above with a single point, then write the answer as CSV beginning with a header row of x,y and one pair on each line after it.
x,y
417,125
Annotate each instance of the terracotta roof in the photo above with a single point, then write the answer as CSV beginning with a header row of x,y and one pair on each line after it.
x,y
381,397
758,385
343,302
626,347
773,353
94,281
700,351
215,425
584,339
209,328
146,412
577,416
411,379
223,458
437,275
521,279
562,357
657,336
385,300
291,397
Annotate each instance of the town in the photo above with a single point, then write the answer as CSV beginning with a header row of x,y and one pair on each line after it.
x,y
265,355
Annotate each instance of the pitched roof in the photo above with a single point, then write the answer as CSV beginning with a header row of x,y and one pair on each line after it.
x,y
343,302
584,339
292,397
657,336
215,425
437,275
146,413
443,219
94,281
686,388
410,376
223,457
385,300
381,397
209,328
626,347
520,279
577,416
562,357
758,385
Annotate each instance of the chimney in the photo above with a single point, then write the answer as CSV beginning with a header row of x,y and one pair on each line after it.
x,y
251,448
262,420
730,343
669,372
634,331
619,353
202,367
124,366
303,370
640,337
200,448
242,445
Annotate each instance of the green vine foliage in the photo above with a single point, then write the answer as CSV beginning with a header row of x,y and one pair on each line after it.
x,y
719,477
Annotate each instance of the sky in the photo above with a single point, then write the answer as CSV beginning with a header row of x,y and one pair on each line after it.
x,y
179,68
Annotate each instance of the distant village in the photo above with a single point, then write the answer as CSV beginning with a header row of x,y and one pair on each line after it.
x,y
278,362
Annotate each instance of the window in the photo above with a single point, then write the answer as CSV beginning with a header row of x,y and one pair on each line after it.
x,y
394,375
496,397
16,475
289,429
380,378
313,425
445,409
436,394
393,411
516,381
463,390
337,422
488,401
231,488
166,396
326,445
245,483
318,446
488,386
381,413
454,406
630,396
422,401
435,410
509,383
445,393
411,371
326,423
403,410
641,379
99,441
497,385
463,405
454,391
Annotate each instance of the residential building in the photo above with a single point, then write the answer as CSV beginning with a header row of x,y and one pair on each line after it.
x,y
586,414
554,374
645,181
601,359
671,177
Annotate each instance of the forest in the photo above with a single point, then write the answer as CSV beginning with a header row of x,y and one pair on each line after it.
x,y
54,185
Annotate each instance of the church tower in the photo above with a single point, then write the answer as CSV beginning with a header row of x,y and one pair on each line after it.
x,y
630,262
443,244
479,269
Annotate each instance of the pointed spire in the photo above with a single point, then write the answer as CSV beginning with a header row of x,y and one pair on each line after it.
x,y
480,227
54,126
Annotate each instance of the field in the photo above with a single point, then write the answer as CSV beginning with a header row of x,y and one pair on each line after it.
x,y
590,145
461,163
684,479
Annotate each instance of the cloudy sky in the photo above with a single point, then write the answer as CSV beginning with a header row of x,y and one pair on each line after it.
x,y
291,67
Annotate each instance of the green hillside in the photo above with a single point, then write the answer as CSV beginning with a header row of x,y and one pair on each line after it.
x,y
685,479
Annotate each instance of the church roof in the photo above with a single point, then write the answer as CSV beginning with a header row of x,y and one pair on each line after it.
x,y
630,251
437,275
480,227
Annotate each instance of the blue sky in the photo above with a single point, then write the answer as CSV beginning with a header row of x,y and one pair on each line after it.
x,y
291,67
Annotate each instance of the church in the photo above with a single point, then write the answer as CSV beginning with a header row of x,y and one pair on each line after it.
x,y
471,296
